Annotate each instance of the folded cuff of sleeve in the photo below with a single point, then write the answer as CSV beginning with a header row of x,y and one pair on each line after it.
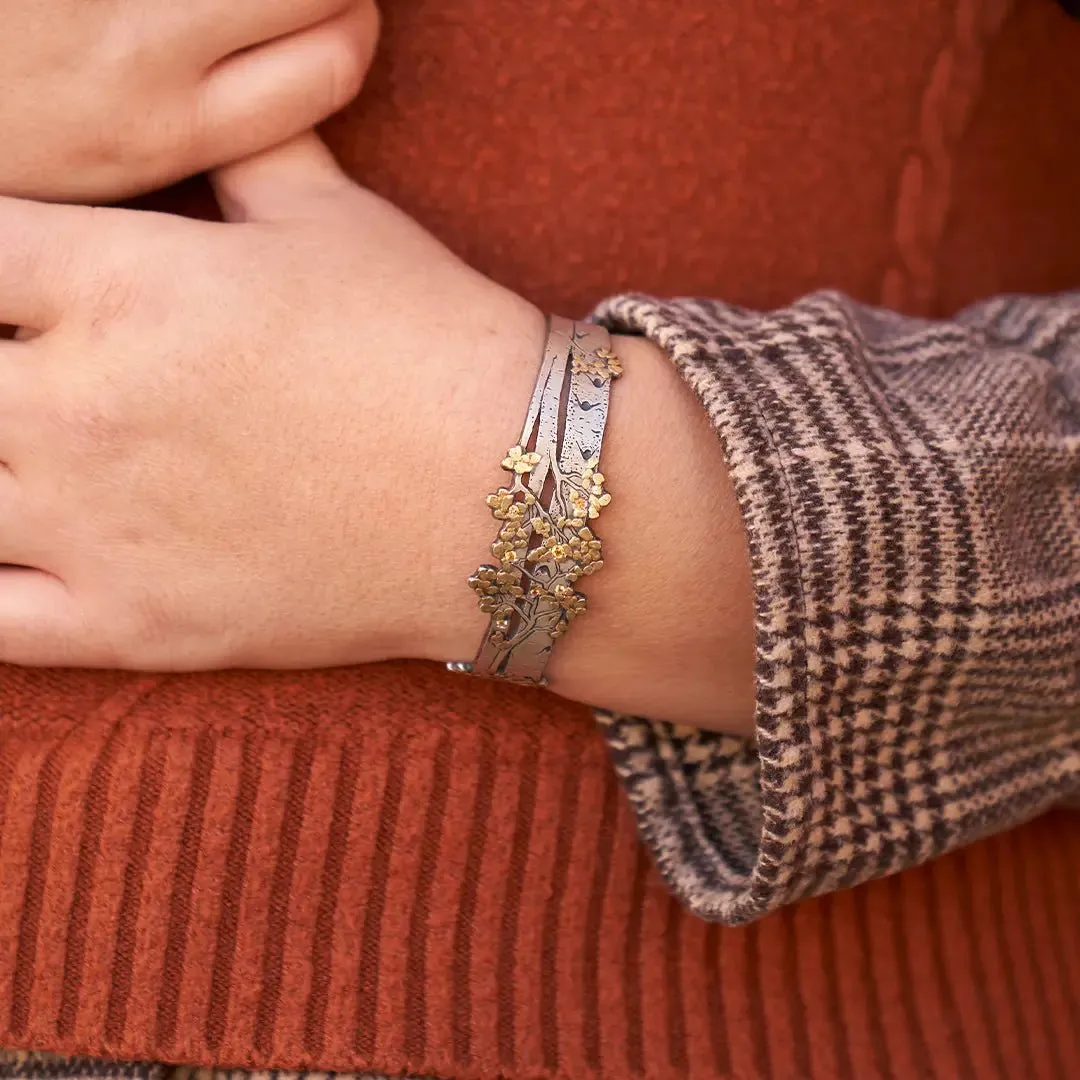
x,y
903,485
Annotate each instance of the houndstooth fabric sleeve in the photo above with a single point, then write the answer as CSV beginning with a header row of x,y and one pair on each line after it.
x,y
911,497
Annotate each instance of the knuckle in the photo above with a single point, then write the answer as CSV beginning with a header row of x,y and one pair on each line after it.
x,y
137,148
39,249
113,295
117,271
130,134
150,149
118,146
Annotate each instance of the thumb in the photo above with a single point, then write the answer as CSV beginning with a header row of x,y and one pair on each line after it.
x,y
281,183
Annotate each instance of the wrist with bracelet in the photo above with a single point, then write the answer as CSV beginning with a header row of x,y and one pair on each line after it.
x,y
546,545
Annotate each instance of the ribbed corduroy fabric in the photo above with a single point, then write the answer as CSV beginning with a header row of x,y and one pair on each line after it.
x,y
250,883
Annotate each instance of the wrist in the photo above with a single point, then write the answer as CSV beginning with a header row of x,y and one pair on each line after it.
x,y
669,632
480,407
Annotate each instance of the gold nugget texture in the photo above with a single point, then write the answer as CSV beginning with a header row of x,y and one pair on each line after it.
x,y
558,538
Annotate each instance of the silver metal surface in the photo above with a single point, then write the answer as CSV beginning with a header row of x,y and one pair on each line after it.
x,y
564,426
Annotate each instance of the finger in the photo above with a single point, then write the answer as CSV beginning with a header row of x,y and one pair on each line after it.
x,y
266,95
271,186
242,24
41,625
37,247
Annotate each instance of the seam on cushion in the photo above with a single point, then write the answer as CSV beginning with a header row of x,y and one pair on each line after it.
x,y
924,188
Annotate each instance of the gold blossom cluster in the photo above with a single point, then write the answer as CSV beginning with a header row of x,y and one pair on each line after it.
x,y
602,364
541,552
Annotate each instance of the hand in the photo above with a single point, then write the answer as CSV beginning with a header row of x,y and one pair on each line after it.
x,y
106,98
238,444
267,443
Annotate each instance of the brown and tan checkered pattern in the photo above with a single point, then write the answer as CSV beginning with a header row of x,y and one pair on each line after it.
x,y
911,495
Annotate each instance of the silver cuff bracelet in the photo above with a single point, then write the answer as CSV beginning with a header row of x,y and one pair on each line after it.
x,y
545,544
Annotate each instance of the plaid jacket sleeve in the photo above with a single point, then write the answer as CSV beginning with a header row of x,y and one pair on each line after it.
x,y
911,497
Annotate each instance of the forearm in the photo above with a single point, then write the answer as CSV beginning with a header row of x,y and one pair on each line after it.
x,y
669,631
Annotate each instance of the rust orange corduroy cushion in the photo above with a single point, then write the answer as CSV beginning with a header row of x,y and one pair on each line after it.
x,y
394,869
387,869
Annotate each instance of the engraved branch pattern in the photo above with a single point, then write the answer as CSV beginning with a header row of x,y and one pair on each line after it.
x,y
543,552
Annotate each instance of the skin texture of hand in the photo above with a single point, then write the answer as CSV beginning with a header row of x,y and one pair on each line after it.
x,y
103,99
266,443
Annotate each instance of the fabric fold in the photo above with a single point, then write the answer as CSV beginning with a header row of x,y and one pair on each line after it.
x,y
911,497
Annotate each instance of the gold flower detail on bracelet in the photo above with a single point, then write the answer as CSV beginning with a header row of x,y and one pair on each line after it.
x,y
601,364
541,552
518,461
